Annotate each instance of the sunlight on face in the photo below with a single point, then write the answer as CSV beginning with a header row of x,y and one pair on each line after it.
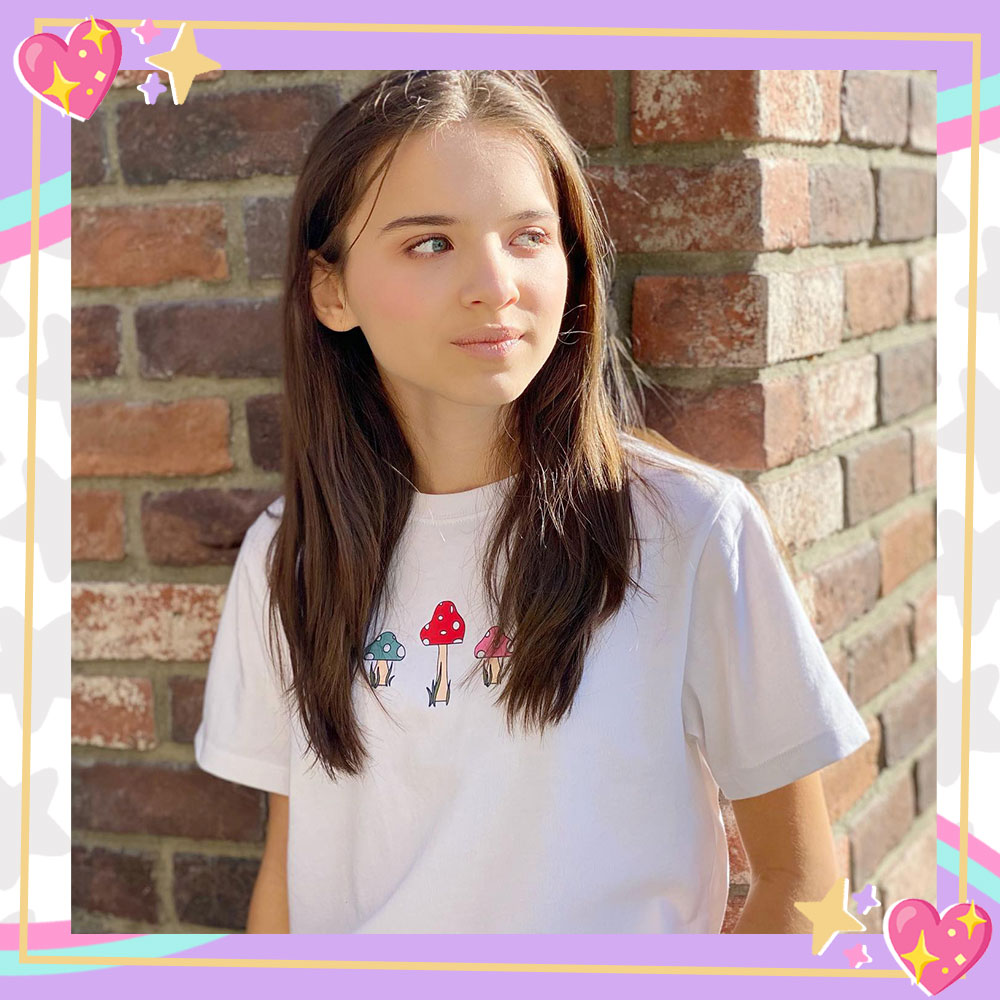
x,y
415,288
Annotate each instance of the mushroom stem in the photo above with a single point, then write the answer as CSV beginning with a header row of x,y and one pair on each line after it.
x,y
440,689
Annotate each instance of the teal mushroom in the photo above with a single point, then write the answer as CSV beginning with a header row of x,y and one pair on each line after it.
x,y
383,652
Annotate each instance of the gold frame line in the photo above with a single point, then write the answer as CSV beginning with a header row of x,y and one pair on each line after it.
x,y
24,957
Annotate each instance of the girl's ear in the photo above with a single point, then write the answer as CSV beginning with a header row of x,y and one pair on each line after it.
x,y
329,300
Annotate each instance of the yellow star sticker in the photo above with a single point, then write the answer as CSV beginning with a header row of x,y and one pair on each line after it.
x,y
61,87
970,919
182,63
829,916
919,957
96,35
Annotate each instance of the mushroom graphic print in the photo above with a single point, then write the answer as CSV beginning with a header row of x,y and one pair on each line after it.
x,y
495,647
445,628
383,651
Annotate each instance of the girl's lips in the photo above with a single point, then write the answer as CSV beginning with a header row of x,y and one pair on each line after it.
x,y
490,349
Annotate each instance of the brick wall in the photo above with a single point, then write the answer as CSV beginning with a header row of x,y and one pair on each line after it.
x,y
776,274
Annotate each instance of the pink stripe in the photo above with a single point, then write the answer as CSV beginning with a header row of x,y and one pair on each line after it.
x,y
957,134
52,228
981,853
53,935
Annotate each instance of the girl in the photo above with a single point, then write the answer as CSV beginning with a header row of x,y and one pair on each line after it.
x,y
470,715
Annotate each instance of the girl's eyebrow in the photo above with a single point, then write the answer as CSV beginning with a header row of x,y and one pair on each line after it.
x,y
528,215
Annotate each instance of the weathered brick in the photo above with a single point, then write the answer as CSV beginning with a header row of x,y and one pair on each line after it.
x,y
148,244
905,544
199,527
907,203
805,313
113,711
189,437
907,378
877,474
95,332
167,800
807,503
736,205
876,294
264,429
734,908
116,881
924,620
924,437
221,136
799,105
908,718
923,114
88,151
739,863
229,339
913,871
841,204
879,656
584,99
187,696
839,399
848,779
874,108
845,587
925,777
98,525
880,825
265,225
923,287
133,621
214,891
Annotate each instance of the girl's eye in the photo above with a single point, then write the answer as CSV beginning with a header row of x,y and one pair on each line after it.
x,y
541,237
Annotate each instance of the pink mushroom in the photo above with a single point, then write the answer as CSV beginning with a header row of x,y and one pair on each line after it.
x,y
496,647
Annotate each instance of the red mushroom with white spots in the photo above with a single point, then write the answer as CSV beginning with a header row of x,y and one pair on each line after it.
x,y
446,628
495,647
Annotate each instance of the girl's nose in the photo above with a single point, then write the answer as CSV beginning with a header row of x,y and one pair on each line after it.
x,y
492,279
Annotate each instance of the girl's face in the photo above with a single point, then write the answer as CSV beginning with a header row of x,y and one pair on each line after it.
x,y
464,235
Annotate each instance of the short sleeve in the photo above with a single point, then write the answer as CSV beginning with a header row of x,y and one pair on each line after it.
x,y
244,730
760,695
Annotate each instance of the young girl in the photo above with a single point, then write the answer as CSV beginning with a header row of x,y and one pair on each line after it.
x,y
492,654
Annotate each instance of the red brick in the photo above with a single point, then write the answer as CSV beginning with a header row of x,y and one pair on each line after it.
x,y
806,504
924,621
214,891
905,544
925,777
230,339
113,711
877,474
119,245
115,881
264,428
98,525
736,205
907,203
923,287
880,825
265,228
95,332
845,587
219,136
739,863
841,203
734,908
186,699
189,437
924,438
913,871
874,108
133,621
923,114
799,105
199,527
848,779
907,378
876,294
908,717
879,656
166,800
840,400
584,99
88,151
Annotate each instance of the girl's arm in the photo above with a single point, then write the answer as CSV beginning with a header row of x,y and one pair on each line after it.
x,y
789,844
268,912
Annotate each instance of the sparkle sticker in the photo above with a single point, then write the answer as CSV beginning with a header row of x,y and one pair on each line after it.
x,y
182,63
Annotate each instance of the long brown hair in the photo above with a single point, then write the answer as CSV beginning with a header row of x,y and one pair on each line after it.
x,y
567,522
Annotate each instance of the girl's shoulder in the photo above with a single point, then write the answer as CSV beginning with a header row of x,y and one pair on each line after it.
x,y
258,536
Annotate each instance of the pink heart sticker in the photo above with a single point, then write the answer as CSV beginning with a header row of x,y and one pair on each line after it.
x,y
74,75
933,949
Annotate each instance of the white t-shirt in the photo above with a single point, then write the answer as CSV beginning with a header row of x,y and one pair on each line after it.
x,y
609,822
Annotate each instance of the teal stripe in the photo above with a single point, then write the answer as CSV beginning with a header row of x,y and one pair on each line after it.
x,y
16,210
147,946
957,102
978,876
